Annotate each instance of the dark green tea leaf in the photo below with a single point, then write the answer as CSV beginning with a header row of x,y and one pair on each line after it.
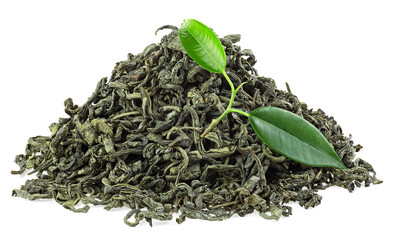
x,y
202,45
293,137
135,144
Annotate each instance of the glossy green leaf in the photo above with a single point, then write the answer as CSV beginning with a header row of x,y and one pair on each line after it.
x,y
202,45
293,137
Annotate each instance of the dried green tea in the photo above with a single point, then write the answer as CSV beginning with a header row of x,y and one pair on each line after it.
x,y
136,143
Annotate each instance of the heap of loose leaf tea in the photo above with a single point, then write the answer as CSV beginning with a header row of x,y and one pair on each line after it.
x,y
136,143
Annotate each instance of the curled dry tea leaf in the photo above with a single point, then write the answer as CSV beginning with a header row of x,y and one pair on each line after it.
x,y
137,135
293,137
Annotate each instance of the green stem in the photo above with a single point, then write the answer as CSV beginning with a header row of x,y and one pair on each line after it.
x,y
239,111
229,81
228,109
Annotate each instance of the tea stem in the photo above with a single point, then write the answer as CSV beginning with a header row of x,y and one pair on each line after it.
x,y
228,109
239,111
229,81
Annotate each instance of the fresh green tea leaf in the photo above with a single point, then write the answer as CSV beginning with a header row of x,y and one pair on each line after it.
x,y
202,45
293,137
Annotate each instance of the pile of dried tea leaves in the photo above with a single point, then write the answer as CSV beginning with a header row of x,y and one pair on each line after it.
x,y
136,143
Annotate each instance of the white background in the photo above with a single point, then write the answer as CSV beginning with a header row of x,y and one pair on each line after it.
x,y
336,55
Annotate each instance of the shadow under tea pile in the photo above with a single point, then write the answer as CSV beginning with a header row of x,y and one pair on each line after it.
x,y
136,143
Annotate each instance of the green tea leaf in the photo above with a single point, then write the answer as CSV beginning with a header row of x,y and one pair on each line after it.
x,y
202,45
293,137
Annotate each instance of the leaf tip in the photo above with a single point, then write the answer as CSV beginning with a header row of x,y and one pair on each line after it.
x,y
341,166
